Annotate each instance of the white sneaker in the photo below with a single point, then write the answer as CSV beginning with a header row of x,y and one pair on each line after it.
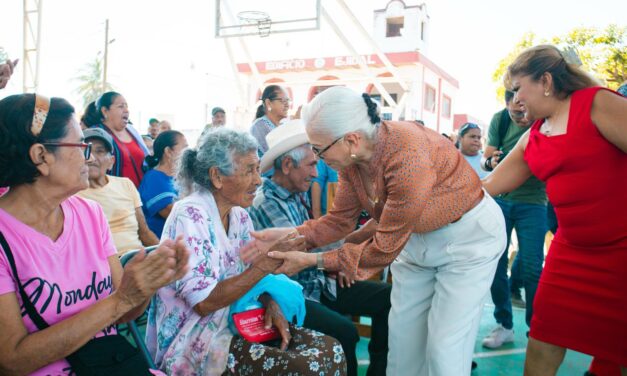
x,y
498,337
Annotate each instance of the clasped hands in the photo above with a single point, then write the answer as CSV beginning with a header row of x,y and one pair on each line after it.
x,y
278,251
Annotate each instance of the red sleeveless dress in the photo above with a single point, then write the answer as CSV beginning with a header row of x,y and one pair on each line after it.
x,y
581,302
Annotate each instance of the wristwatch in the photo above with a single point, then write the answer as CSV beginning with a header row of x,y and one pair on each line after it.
x,y
319,261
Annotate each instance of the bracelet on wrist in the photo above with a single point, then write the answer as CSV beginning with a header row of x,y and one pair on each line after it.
x,y
319,261
488,164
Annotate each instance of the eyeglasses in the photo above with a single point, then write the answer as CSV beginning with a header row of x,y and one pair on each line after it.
x,y
86,146
318,152
285,101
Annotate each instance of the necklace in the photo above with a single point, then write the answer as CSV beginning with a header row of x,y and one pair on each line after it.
x,y
372,201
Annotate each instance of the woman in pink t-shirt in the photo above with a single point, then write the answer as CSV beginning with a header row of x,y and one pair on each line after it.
x,y
62,246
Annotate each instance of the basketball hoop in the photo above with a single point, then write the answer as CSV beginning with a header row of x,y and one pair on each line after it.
x,y
262,19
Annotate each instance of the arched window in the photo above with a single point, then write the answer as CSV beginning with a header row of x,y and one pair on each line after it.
x,y
317,89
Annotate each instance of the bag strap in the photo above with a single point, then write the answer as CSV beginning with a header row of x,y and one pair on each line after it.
x,y
28,305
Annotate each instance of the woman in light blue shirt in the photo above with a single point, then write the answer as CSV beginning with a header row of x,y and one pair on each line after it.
x,y
469,145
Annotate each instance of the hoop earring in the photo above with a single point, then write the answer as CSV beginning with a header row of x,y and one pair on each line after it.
x,y
353,157
546,93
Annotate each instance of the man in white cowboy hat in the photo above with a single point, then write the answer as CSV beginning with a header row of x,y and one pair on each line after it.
x,y
282,202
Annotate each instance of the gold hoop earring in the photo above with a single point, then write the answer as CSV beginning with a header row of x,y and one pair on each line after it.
x,y
546,93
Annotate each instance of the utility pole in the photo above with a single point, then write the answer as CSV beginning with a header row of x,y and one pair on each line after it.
x,y
106,55
32,43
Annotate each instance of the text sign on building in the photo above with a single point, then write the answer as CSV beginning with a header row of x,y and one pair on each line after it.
x,y
327,63
319,63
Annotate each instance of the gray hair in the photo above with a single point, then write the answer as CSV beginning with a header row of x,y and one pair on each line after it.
x,y
217,148
338,111
296,155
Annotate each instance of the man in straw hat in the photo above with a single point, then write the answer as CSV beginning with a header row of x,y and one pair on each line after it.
x,y
330,299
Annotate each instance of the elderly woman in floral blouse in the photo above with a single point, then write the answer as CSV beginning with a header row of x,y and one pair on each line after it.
x,y
188,331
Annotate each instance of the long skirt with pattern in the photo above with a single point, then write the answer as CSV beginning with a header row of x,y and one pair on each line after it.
x,y
309,353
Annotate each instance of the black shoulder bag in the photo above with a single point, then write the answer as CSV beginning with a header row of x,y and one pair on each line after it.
x,y
109,355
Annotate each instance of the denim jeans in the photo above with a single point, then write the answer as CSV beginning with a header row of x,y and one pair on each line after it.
x,y
529,220
515,276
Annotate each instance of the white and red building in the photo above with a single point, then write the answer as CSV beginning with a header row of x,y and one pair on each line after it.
x,y
419,89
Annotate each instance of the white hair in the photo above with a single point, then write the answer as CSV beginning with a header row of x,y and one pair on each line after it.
x,y
296,155
338,111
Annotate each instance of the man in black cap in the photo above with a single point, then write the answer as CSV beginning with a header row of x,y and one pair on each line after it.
x,y
218,117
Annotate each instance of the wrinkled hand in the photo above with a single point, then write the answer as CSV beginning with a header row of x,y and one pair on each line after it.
x,y
274,317
6,70
263,243
266,264
262,240
293,261
364,233
145,274
343,280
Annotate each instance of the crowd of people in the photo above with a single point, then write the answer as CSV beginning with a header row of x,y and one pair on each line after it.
x,y
228,220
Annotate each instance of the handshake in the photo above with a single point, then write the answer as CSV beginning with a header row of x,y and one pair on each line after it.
x,y
277,251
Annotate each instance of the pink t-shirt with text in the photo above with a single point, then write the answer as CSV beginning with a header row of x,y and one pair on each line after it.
x,y
62,277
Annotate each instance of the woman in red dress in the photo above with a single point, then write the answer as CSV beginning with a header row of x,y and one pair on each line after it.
x,y
578,146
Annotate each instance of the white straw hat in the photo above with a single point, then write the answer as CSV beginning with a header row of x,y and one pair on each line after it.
x,y
282,139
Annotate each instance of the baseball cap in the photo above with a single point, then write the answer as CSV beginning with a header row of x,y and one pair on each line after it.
x,y
100,134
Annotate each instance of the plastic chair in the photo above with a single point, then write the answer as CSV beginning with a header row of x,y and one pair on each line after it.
x,y
133,326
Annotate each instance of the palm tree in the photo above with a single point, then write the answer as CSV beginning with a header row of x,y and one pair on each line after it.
x,y
90,81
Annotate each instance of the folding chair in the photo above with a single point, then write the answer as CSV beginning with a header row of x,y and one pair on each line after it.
x,y
133,326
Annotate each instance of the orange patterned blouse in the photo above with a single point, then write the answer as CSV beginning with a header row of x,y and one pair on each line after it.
x,y
421,183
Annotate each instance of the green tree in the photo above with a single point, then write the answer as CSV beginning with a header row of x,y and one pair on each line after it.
x,y
603,53
528,39
90,81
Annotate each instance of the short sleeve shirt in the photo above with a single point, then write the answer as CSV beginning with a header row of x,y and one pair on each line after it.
x,y
65,276
157,191
119,199
327,179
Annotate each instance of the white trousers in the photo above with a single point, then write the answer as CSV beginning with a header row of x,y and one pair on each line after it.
x,y
440,282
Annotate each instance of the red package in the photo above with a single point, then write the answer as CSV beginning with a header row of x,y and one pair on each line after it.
x,y
251,326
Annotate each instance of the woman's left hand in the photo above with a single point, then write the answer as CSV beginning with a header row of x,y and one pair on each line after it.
x,y
274,317
293,261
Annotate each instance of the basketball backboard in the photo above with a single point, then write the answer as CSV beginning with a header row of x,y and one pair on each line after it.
x,y
238,18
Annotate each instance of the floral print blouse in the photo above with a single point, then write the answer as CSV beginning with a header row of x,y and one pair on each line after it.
x,y
181,341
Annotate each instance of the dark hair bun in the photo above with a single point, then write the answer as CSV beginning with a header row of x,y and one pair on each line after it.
x,y
152,161
373,112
